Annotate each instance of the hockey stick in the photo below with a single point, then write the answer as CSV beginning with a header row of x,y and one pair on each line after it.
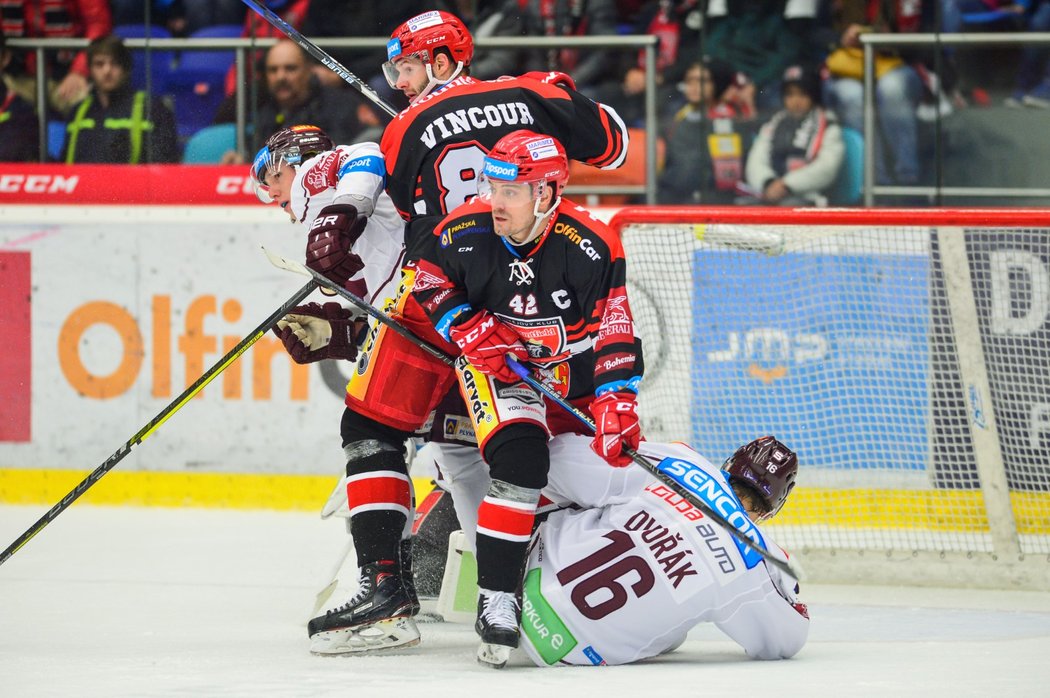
x,y
321,280
155,423
321,55
658,470
663,475
326,592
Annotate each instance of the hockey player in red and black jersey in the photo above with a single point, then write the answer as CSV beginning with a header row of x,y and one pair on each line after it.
x,y
434,148
433,153
519,271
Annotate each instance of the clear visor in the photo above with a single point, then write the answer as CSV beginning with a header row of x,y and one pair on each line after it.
x,y
390,68
516,193
259,186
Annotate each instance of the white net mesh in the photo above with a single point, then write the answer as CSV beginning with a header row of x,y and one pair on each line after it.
x,y
844,341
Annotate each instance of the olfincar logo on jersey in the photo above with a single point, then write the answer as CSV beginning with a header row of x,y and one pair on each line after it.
x,y
500,170
721,500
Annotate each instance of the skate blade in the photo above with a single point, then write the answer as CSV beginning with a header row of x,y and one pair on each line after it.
x,y
494,656
384,635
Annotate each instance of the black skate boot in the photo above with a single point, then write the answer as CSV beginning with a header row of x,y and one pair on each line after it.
x,y
378,615
407,576
499,615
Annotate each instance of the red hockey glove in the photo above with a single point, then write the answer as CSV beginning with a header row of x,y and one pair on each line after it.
x,y
553,77
313,332
485,341
333,233
616,426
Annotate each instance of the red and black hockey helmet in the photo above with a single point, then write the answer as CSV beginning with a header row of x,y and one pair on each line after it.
x,y
291,145
525,156
423,35
768,467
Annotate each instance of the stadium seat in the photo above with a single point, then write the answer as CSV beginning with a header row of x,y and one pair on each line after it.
x,y
207,146
849,186
197,84
161,61
56,136
632,172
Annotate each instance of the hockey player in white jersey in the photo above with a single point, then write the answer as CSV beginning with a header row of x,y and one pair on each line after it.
x,y
355,235
629,579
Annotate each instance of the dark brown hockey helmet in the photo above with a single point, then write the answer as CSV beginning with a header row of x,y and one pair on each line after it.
x,y
768,467
292,145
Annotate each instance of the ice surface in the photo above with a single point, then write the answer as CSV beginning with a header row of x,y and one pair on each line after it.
x,y
156,602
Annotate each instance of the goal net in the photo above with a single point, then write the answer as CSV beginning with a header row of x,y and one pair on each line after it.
x,y
905,356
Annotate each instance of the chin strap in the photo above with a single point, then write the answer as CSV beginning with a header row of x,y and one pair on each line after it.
x,y
433,82
541,223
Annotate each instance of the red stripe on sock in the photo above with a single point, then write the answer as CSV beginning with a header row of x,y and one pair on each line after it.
x,y
392,491
515,522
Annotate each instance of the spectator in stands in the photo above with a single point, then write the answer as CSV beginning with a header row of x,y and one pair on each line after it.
x,y
553,18
293,12
115,123
487,18
798,153
898,88
760,38
332,18
19,129
180,17
295,96
707,140
1032,87
67,71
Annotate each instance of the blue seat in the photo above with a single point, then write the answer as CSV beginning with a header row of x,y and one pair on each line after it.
x,y
208,145
849,187
56,136
197,85
161,61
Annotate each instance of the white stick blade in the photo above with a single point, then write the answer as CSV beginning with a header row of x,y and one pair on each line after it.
x,y
285,263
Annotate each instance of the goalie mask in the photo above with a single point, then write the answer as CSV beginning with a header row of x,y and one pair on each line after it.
x,y
291,146
420,38
766,466
521,168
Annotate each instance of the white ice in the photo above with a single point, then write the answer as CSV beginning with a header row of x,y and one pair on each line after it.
x,y
158,602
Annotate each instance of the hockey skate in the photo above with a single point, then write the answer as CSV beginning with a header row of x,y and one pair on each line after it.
x,y
377,617
405,558
499,614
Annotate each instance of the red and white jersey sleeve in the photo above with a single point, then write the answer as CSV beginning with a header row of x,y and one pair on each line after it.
x,y
350,174
628,581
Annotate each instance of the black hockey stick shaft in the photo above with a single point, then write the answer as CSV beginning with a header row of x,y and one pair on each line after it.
x,y
528,377
323,281
155,423
321,55
644,462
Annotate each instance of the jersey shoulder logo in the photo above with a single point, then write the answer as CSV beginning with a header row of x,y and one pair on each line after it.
x,y
322,174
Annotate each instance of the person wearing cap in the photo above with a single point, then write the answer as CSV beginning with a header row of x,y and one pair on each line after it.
x,y
798,153
708,137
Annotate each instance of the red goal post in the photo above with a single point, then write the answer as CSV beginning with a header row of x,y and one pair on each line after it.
x,y
904,353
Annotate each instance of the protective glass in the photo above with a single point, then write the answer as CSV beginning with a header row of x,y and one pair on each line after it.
x,y
391,72
510,193
261,166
